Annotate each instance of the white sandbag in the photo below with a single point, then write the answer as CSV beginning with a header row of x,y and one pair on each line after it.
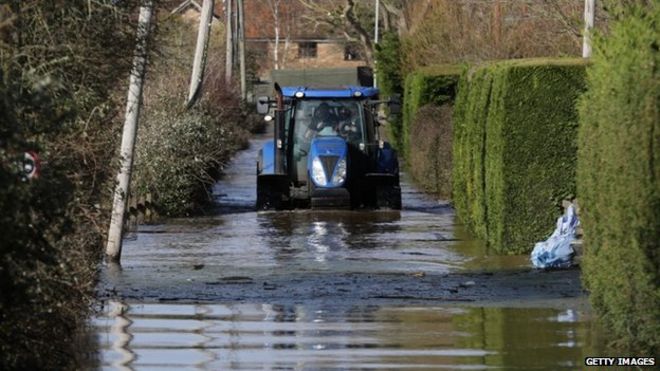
x,y
556,251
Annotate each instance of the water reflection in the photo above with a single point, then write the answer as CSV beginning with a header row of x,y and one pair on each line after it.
x,y
331,336
323,236
120,335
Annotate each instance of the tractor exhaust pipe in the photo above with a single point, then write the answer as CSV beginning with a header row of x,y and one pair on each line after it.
x,y
279,130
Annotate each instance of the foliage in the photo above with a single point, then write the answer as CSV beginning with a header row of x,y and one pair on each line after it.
x,y
63,74
429,159
468,148
388,65
433,84
458,31
515,149
530,149
390,83
58,69
430,163
618,188
179,152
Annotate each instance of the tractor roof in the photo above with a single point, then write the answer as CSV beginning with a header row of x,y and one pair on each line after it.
x,y
341,92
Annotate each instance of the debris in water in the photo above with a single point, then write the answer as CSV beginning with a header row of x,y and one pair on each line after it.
x,y
467,284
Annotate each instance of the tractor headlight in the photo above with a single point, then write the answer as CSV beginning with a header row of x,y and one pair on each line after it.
x,y
340,172
318,174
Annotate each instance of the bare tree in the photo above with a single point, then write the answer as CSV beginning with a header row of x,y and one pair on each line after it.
x,y
275,9
353,20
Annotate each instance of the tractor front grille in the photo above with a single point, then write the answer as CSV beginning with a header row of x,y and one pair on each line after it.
x,y
329,163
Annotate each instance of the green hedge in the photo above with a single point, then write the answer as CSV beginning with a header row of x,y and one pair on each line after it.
x,y
430,162
618,180
470,116
388,64
515,148
390,81
530,149
432,84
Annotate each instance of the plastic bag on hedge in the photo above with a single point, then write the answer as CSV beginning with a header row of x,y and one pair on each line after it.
x,y
556,251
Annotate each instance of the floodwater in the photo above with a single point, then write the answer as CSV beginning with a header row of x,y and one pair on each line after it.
x,y
340,290
329,335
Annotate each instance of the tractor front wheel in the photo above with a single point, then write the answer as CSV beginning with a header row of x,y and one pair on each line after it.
x,y
268,199
388,197
272,192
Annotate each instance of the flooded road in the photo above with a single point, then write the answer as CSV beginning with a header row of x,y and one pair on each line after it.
x,y
330,290
330,335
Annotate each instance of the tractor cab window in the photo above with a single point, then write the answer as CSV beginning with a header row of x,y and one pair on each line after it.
x,y
324,117
328,118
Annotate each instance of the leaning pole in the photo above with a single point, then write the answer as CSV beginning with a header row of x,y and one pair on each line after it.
x,y
133,102
589,16
199,60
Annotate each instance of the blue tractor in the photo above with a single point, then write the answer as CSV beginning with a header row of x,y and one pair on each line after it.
x,y
326,151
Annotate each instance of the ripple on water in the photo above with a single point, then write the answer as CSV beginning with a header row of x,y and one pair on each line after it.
x,y
328,335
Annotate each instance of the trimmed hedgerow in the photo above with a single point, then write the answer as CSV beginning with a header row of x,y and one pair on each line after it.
x,y
618,180
430,161
432,84
428,106
470,115
531,149
514,148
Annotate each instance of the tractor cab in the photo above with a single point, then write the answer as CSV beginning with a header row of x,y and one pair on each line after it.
x,y
326,152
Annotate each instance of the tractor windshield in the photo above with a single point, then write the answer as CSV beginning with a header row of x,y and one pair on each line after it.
x,y
325,117
328,117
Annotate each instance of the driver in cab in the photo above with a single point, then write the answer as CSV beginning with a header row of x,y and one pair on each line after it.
x,y
324,121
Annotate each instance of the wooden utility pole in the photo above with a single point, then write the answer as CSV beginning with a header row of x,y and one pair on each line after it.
x,y
133,102
199,63
589,16
377,17
229,57
241,46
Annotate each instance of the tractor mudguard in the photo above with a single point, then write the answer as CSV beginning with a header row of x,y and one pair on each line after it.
x,y
387,161
266,161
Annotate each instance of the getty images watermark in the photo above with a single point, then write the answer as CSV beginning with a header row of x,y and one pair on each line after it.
x,y
620,361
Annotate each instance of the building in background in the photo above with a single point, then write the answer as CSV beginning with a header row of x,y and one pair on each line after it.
x,y
282,34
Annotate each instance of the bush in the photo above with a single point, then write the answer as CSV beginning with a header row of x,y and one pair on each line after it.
x,y
179,152
515,151
618,180
388,64
390,82
428,85
177,155
59,67
430,162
